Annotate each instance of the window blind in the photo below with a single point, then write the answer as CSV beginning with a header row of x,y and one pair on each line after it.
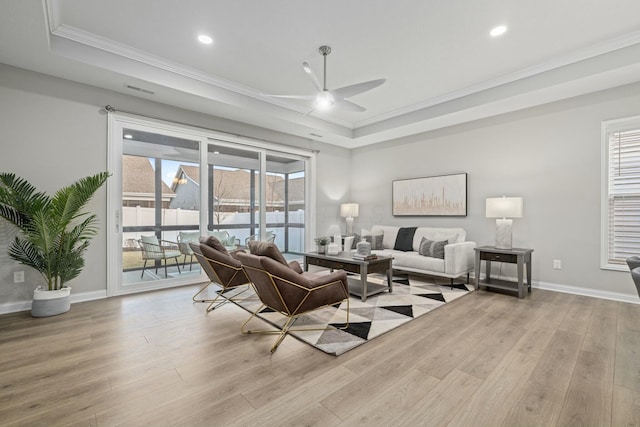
x,y
623,195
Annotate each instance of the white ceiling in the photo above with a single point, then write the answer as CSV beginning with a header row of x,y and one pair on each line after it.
x,y
441,65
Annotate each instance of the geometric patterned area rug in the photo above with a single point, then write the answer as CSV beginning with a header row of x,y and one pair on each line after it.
x,y
411,298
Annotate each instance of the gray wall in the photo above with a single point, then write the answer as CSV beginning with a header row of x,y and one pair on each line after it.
x,y
53,133
549,155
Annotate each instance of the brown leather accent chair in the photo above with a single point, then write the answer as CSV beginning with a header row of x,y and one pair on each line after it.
x,y
285,288
223,268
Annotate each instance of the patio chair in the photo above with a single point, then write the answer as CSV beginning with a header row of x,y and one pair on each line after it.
x,y
270,237
184,238
229,242
158,250
284,288
222,268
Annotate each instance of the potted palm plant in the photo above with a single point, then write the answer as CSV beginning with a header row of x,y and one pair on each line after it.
x,y
54,234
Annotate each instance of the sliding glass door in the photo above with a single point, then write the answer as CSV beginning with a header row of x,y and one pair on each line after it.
x,y
286,201
250,204
160,209
175,185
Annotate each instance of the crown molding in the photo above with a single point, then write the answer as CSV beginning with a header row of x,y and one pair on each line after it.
x,y
95,41
558,62
107,45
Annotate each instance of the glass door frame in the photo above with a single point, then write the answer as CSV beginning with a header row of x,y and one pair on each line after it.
x,y
118,121
264,168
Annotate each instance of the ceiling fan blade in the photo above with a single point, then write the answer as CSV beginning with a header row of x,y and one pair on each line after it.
x,y
345,105
307,69
305,97
352,90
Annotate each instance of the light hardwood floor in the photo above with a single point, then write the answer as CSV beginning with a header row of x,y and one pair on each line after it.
x,y
486,359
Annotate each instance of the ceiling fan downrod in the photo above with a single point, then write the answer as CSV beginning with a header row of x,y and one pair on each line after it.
x,y
325,50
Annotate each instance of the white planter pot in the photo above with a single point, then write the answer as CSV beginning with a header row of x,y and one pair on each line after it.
x,y
50,303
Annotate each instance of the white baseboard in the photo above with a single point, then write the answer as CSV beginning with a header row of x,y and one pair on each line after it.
x,y
576,290
16,306
595,293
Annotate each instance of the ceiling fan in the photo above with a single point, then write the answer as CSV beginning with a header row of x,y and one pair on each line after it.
x,y
325,98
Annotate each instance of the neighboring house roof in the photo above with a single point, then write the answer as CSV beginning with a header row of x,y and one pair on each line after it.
x,y
233,185
138,177
296,190
191,172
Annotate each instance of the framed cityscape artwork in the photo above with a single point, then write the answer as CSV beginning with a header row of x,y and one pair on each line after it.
x,y
444,195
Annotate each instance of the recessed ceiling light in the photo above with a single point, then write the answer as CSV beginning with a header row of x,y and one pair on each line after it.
x,y
128,136
498,31
205,39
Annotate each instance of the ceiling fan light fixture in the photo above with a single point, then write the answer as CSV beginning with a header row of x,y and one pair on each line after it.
x,y
324,101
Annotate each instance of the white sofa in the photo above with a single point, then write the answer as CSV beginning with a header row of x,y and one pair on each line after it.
x,y
458,254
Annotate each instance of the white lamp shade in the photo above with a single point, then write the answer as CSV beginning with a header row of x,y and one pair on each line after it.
x,y
504,207
349,210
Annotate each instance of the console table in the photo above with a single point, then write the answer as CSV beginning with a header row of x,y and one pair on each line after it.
x,y
519,256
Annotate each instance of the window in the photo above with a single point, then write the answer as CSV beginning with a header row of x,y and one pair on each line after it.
x,y
621,192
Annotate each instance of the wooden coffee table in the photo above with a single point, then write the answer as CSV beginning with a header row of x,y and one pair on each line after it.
x,y
344,261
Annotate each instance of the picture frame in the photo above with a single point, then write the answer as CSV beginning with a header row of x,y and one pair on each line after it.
x,y
441,195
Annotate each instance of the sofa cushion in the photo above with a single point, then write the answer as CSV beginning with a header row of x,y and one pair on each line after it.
x,y
404,239
431,248
452,235
413,261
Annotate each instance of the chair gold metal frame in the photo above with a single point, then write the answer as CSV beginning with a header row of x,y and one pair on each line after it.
x,y
266,285
236,279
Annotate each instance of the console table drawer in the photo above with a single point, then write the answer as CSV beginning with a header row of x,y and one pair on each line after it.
x,y
335,265
492,256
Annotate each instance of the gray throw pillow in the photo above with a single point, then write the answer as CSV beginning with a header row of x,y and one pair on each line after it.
x,y
432,249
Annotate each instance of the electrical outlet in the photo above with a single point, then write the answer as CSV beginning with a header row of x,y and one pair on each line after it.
x,y
18,277
557,264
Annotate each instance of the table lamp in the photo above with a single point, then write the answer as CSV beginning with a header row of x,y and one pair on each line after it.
x,y
349,211
504,208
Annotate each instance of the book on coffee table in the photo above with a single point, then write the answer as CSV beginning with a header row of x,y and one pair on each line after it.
x,y
364,257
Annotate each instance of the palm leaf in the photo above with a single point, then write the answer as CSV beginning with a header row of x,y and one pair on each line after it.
x,y
19,200
68,201
24,252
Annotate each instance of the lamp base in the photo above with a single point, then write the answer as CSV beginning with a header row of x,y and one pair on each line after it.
x,y
349,226
503,233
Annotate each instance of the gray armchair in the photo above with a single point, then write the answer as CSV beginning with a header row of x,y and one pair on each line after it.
x,y
634,266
